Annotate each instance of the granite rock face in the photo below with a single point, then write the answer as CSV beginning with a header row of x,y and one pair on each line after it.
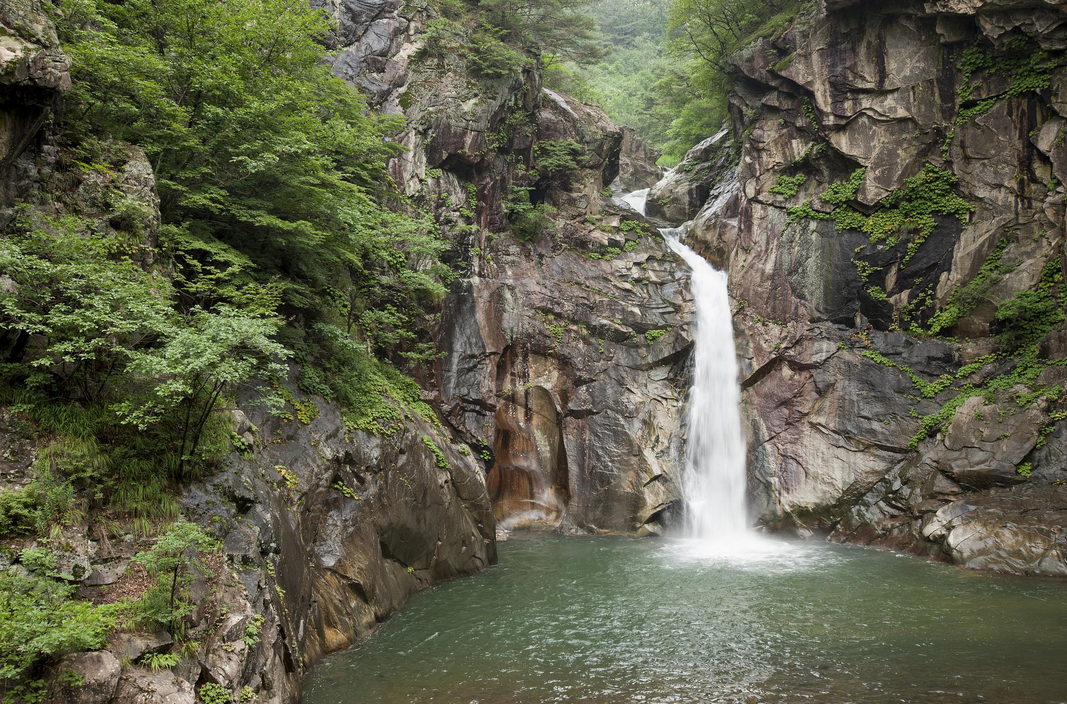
x,y
329,532
637,164
565,346
873,413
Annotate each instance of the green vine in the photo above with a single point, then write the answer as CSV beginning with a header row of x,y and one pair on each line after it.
x,y
439,456
788,186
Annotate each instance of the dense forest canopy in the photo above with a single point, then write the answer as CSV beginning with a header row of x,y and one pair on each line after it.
x,y
666,71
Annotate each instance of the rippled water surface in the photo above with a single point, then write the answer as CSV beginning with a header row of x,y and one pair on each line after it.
x,y
618,620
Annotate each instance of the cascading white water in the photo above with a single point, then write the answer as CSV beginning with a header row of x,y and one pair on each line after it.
x,y
713,484
637,200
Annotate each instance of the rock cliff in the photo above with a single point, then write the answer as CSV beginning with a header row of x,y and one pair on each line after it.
x,y
564,341
892,220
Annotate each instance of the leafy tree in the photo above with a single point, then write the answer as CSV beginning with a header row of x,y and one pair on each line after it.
x,y
271,171
558,27
715,29
171,562
189,372
90,305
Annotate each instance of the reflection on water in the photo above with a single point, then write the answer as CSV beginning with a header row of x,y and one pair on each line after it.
x,y
617,620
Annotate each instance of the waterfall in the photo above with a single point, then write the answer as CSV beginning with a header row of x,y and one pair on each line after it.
x,y
637,199
713,484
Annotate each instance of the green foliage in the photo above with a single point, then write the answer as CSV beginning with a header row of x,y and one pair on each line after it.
x,y
625,82
439,456
40,620
1023,368
528,221
844,192
91,304
489,56
557,27
160,661
253,631
212,693
1029,70
876,293
232,101
374,396
925,388
558,158
1025,469
38,560
306,410
47,502
215,352
176,552
1030,315
652,335
963,299
910,209
346,491
809,112
18,511
788,186
705,33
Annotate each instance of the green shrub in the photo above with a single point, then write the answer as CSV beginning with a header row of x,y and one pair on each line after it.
x,y
176,552
527,220
788,186
212,693
1030,315
963,299
160,661
911,209
374,396
558,157
18,511
652,335
439,457
39,620
38,560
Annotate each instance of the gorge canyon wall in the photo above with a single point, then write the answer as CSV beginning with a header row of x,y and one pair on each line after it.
x,y
888,200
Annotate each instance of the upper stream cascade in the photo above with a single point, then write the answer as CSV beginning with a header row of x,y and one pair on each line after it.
x,y
713,483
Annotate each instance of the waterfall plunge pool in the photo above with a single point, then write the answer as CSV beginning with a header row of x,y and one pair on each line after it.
x,y
599,620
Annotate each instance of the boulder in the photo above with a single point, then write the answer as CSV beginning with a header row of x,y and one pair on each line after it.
x,y
680,195
138,686
87,678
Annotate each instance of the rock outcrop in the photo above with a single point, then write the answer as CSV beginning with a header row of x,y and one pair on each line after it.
x,y
637,164
899,181
33,75
564,340
328,532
